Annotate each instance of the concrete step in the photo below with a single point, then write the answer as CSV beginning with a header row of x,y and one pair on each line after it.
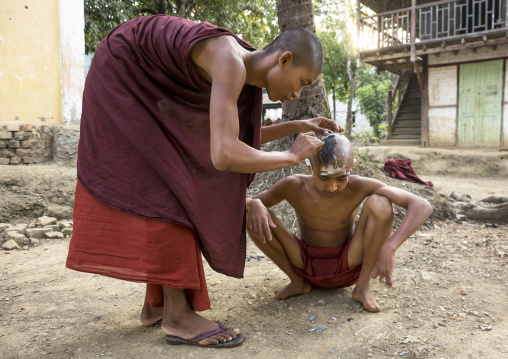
x,y
394,142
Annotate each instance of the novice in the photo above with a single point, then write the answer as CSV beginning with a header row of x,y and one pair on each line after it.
x,y
332,252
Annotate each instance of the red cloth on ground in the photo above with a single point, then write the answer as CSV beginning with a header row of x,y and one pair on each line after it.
x,y
402,169
145,136
110,242
327,267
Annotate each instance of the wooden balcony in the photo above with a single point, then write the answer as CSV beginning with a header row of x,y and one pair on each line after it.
x,y
397,39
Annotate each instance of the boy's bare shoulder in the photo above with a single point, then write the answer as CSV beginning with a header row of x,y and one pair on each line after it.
x,y
360,183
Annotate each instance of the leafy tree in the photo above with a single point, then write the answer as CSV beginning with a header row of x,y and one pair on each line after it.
x,y
371,94
254,21
335,62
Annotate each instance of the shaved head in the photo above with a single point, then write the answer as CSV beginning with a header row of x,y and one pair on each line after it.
x,y
337,151
303,44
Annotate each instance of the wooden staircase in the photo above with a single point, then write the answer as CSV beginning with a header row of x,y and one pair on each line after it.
x,y
407,124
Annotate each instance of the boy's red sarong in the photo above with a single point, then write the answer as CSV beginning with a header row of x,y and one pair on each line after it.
x,y
327,267
110,242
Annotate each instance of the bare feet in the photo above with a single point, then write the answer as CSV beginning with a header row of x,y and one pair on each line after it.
x,y
366,298
150,315
293,289
190,325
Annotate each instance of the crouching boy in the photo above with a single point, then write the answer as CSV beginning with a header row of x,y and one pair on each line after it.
x,y
332,252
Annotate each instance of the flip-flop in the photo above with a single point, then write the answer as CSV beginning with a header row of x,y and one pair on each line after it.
x,y
171,339
157,324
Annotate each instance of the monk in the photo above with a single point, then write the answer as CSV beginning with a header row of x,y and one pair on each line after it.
x,y
333,252
170,140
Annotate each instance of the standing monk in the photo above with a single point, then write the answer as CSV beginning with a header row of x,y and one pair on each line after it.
x,y
170,138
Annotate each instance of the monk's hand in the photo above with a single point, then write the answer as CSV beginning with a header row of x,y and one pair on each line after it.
x,y
321,126
259,222
305,145
384,266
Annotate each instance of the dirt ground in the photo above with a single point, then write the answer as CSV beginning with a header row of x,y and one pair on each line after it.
x,y
449,299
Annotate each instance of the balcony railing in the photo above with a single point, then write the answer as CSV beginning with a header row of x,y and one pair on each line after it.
x,y
437,21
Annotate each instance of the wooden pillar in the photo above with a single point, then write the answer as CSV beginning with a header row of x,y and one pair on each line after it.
x,y
425,102
389,114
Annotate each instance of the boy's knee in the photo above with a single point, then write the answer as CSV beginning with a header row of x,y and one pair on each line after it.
x,y
380,207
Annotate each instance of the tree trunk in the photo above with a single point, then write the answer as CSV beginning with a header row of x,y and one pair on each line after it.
x,y
313,102
334,101
352,89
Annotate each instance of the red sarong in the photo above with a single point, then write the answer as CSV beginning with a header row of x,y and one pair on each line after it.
x,y
113,243
327,267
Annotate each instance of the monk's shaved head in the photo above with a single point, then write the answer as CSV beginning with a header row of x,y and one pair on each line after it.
x,y
303,44
337,151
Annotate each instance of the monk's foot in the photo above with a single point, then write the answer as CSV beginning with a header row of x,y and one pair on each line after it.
x,y
190,325
365,297
293,289
150,315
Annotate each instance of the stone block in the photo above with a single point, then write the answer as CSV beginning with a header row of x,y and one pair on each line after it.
x,y
26,144
10,244
60,212
5,135
3,145
53,227
37,232
67,231
7,153
25,128
54,235
22,136
45,221
45,129
4,161
61,224
13,144
10,126
19,238
20,228
4,226
34,241
15,160
25,152
28,160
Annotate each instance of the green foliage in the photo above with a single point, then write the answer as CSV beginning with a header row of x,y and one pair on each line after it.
x,y
335,58
371,94
255,21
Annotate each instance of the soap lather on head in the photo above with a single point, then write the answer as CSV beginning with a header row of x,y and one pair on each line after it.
x,y
335,157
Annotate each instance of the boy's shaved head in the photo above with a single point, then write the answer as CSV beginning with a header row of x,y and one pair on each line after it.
x,y
303,44
337,151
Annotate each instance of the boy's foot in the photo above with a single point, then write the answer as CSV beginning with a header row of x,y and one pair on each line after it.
x,y
293,289
366,298
189,327
150,315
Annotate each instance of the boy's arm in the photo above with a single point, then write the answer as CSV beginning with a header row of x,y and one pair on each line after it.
x,y
417,211
258,218
319,125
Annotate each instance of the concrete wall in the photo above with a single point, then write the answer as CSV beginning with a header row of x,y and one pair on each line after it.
x,y
505,107
41,61
442,106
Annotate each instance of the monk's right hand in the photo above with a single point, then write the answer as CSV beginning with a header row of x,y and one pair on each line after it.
x,y
305,145
259,221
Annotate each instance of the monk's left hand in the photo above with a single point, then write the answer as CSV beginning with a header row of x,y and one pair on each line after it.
x,y
384,267
321,126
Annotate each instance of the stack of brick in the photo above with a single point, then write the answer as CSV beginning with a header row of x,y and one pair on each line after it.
x,y
22,235
25,143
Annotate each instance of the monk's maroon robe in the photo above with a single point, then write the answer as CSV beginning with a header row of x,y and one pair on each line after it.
x,y
145,136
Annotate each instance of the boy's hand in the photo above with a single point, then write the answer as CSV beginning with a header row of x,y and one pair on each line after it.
x,y
259,220
321,126
384,267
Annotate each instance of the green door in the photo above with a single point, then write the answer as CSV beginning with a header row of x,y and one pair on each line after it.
x,y
480,100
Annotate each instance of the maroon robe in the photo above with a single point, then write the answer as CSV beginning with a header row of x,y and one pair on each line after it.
x,y
145,135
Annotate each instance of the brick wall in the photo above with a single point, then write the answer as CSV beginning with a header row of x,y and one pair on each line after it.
x,y
25,143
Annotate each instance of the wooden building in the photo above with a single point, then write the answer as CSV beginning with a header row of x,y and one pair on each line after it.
x,y
451,57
